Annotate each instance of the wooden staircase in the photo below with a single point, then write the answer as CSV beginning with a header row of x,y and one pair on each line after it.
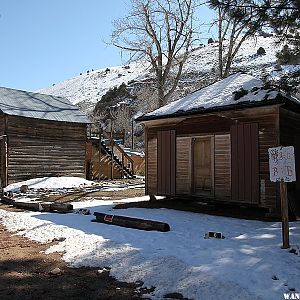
x,y
107,160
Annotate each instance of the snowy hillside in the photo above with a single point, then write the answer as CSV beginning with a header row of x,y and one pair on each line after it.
x,y
87,89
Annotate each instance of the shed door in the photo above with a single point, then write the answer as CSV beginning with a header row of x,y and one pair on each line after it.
x,y
202,165
245,163
166,162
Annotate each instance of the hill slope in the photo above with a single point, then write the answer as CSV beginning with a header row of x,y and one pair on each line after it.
x,y
200,70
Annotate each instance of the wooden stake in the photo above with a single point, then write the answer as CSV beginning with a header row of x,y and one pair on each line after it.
x,y
99,158
112,149
284,215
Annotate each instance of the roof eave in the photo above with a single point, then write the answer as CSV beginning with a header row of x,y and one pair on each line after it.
x,y
247,104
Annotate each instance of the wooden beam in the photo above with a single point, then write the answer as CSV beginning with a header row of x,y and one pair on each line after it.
x,y
131,222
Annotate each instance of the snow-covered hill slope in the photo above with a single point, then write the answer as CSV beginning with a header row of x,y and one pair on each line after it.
x,y
87,89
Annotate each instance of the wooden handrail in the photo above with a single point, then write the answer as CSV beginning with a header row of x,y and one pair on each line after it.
x,y
119,148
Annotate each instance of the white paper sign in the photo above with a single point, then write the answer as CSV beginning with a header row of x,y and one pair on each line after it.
x,y
282,164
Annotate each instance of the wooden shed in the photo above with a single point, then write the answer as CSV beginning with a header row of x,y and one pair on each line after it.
x,y
213,144
40,135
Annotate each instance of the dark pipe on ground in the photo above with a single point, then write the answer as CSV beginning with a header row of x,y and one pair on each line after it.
x,y
131,222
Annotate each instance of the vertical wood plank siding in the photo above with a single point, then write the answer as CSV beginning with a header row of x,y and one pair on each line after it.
x,y
290,136
2,170
223,167
183,165
218,125
152,166
166,162
245,161
38,148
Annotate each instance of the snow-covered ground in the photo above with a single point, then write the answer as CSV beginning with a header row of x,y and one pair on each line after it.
x,y
247,264
50,183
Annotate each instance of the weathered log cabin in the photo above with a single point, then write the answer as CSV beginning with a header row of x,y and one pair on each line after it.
x,y
41,135
213,144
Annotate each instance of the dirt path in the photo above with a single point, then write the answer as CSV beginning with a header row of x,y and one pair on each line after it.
x,y
25,269
24,274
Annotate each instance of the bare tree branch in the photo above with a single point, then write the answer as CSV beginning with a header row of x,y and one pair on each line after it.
x,y
160,31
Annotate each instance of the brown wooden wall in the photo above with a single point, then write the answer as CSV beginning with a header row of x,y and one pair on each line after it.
x,y
183,165
218,125
151,184
38,148
105,164
166,162
223,167
290,136
245,163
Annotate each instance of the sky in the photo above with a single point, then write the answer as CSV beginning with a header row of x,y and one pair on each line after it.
x,y
43,42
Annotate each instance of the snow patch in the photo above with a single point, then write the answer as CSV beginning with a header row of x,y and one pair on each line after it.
x,y
50,183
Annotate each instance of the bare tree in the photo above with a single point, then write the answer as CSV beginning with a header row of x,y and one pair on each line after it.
x,y
159,32
235,26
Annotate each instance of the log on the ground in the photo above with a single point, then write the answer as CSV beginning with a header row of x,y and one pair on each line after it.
x,y
131,222
38,206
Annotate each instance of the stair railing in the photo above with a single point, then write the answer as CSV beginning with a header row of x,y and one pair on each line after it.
x,y
126,160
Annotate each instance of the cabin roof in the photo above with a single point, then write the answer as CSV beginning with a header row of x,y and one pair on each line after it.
x,y
34,105
236,91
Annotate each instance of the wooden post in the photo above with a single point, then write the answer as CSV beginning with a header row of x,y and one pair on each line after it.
x,y
123,165
132,134
5,162
284,215
99,157
112,149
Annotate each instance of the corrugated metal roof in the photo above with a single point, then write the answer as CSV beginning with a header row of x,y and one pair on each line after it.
x,y
39,106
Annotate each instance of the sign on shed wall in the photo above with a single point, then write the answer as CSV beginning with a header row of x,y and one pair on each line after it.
x,y
282,164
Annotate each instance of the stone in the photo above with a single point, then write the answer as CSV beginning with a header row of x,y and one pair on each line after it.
x,y
24,188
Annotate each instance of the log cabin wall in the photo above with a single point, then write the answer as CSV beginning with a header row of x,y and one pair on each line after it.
x,y
38,148
2,151
218,125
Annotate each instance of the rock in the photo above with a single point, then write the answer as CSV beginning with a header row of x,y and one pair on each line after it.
x,y
294,251
103,271
174,296
55,272
61,239
24,188
139,283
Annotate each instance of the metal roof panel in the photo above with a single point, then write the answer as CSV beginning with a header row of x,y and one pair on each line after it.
x,y
39,106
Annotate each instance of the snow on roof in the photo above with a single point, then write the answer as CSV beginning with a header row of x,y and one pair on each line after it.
x,y
237,88
39,106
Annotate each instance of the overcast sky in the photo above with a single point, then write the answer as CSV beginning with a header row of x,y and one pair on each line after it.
x,y
47,41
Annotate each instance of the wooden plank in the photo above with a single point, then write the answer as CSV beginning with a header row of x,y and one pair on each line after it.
x,y
222,167
234,164
152,171
173,162
183,165
247,163
254,144
241,163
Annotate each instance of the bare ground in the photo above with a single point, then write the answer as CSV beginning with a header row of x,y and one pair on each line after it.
x,y
25,269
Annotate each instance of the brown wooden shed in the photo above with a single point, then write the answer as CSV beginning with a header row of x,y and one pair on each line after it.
x,y
213,144
40,135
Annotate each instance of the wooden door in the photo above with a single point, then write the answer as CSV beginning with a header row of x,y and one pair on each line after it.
x,y
203,165
245,163
166,162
